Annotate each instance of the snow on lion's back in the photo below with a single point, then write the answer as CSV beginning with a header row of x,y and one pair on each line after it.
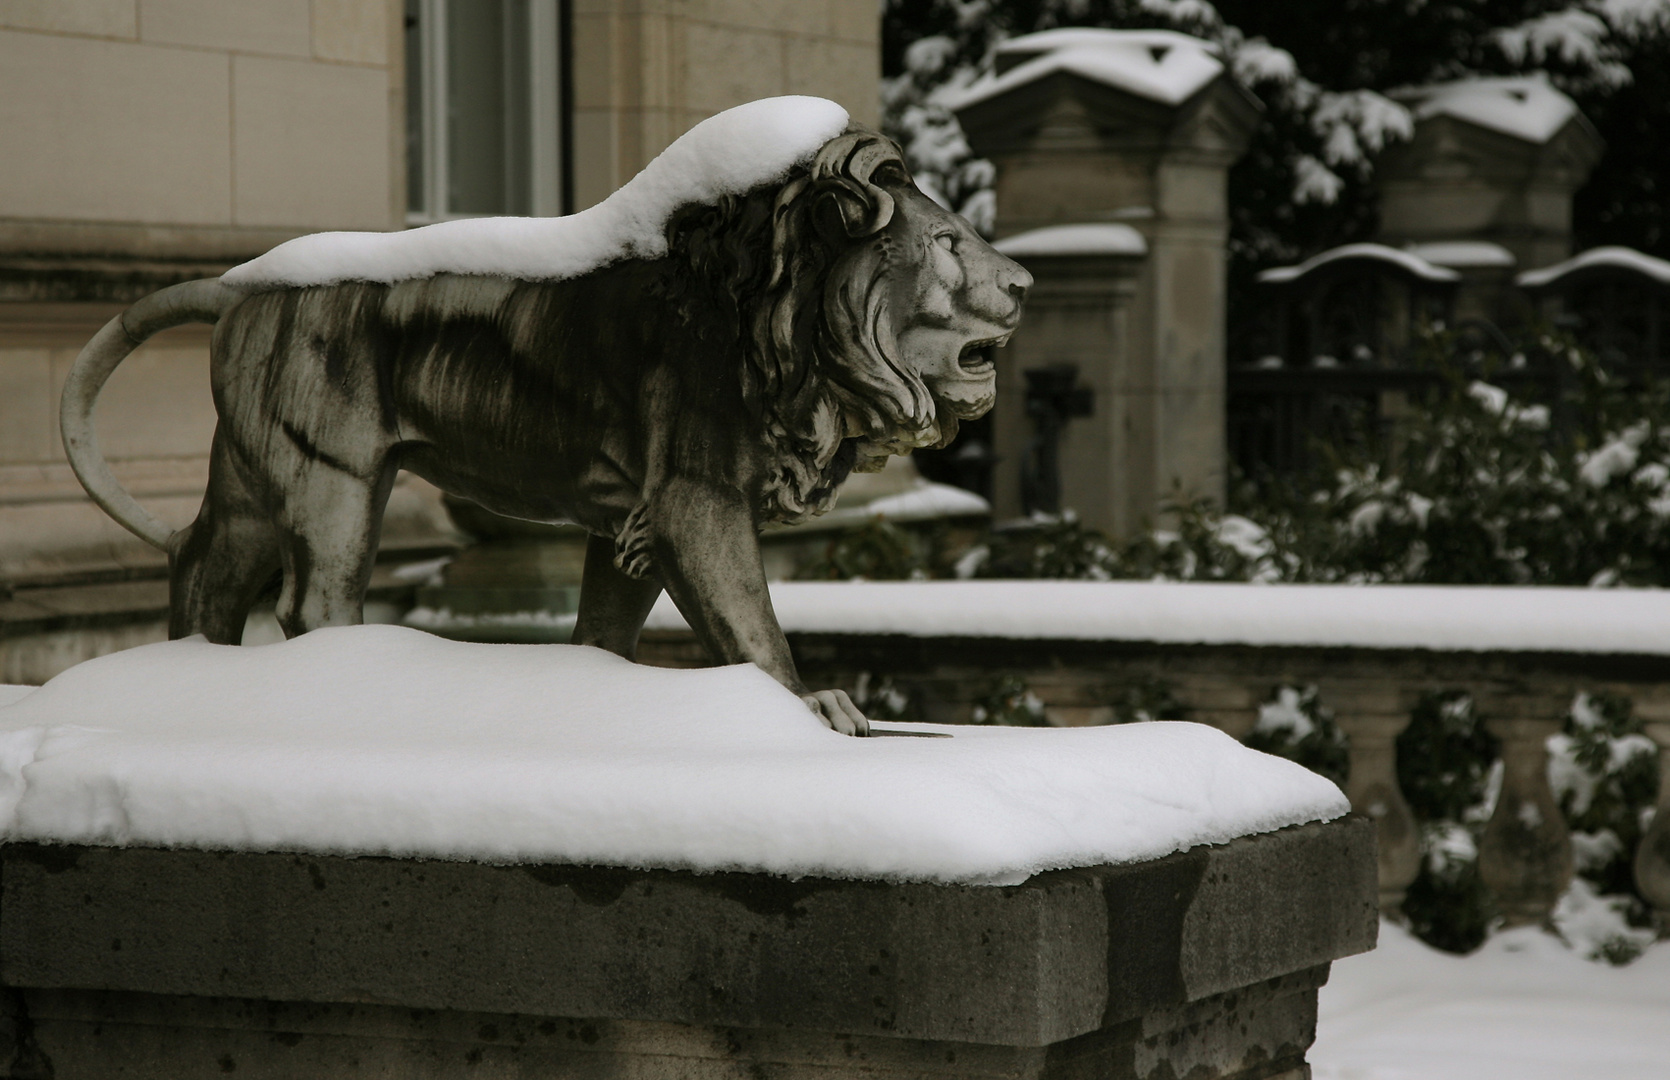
x,y
728,154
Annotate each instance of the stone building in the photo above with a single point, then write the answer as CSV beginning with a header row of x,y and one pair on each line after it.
x,y
147,142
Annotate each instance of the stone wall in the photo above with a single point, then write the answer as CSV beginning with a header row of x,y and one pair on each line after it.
x,y
169,130
646,71
152,141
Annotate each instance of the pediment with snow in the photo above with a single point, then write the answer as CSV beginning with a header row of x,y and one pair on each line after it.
x,y
1484,127
1527,108
1079,87
1087,240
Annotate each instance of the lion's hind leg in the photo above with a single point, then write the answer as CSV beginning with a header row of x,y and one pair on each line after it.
x,y
224,558
328,532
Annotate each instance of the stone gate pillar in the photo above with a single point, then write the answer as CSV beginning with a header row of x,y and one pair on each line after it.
x,y
1132,128
1485,184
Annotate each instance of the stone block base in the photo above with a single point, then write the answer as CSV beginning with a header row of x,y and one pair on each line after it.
x,y
1260,1032
141,963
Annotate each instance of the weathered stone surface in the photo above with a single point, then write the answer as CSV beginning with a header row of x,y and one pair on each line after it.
x,y
1072,970
1257,1032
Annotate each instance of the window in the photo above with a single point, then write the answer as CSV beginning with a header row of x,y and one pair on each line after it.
x,y
486,127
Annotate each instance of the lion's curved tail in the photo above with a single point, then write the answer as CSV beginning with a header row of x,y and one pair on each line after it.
x,y
193,301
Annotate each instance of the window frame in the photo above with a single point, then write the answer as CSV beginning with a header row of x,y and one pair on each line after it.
x,y
549,150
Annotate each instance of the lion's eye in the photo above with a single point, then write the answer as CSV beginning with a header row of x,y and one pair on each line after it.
x,y
948,241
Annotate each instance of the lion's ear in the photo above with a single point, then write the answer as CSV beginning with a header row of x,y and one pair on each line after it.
x,y
846,173
861,208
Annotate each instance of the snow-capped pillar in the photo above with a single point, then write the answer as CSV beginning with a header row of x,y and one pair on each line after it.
x,y
1492,160
1652,858
1135,128
1373,713
1525,854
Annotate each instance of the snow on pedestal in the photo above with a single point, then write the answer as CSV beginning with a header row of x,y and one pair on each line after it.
x,y
385,740
728,154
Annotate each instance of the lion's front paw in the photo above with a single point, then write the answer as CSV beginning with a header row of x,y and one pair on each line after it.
x,y
836,710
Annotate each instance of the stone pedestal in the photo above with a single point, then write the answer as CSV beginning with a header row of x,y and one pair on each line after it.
x,y
1525,854
1108,140
192,964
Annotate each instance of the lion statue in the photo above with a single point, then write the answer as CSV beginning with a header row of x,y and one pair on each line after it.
x,y
671,403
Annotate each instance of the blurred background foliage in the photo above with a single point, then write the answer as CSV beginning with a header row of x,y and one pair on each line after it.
x,y
1328,72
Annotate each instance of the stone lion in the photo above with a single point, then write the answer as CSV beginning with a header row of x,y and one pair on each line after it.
x,y
670,405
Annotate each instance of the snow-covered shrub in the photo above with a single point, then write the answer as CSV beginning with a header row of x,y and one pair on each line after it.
x,y
915,113
1295,725
1009,701
882,699
1201,545
1605,773
1448,770
1047,546
1146,698
877,550
1563,480
1601,927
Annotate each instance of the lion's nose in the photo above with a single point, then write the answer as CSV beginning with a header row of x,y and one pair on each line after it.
x,y
1014,280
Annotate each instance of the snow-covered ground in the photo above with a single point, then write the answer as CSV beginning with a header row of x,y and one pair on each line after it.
x,y
1523,1007
387,740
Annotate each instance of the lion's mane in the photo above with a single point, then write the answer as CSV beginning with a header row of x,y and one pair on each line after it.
x,y
792,279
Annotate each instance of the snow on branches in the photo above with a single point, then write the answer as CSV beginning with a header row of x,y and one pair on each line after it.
x,y
1332,133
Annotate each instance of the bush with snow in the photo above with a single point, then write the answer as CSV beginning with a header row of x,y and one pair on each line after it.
x,y
1296,725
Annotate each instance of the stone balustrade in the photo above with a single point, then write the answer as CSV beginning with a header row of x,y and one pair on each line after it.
x,y
1521,672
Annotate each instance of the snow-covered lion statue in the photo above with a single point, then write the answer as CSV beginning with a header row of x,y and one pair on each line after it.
x,y
769,305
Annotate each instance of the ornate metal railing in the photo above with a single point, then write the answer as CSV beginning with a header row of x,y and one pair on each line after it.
x,y
1279,419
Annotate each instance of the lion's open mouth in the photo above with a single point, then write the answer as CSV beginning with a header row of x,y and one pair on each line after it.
x,y
976,356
